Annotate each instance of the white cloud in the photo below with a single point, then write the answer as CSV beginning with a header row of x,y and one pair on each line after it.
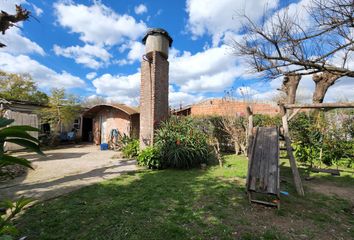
x,y
9,6
98,23
15,42
177,99
342,90
44,76
137,50
212,70
140,9
37,10
91,75
126,89
119,88
135,53
218,17
246,91
18,44
90,56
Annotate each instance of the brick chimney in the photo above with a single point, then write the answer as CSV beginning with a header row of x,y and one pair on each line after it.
x,y
154,84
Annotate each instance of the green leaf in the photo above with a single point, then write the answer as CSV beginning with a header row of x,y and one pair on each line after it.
x,y
6,204
4,122
24,128
6,237
11,132
27,144
10,160
22,202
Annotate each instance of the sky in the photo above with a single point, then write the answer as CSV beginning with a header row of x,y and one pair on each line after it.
x,y
93,48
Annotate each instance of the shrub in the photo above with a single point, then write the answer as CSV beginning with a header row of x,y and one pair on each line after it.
x,y
150,158
261,120
131,149
322,138
7,228
182,144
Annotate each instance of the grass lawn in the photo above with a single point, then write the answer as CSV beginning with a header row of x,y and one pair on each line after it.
x,y
193,204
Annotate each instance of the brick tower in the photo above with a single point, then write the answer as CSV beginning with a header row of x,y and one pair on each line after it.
x,y
154,106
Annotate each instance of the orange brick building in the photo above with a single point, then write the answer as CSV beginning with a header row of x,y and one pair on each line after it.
x,y
221,107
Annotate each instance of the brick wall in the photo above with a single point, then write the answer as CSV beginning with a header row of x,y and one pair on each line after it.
x,y
153,96
106,120
231,107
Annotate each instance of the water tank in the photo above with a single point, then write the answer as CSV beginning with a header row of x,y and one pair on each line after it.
x,y
157,39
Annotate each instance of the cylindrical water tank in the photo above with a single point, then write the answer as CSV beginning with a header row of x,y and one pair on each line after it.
x,y
157,39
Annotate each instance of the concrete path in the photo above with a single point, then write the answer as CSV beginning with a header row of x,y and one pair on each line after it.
x,y
64,170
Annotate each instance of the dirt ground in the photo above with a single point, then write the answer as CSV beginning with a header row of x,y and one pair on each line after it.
x,y
63,170
333,190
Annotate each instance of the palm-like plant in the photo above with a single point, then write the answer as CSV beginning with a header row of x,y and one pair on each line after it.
x,y
17,135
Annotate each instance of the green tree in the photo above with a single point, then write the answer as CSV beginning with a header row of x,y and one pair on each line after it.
x,y
62,109
20,87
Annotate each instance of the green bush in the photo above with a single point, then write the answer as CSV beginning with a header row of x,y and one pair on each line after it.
x,y
261,120
322,138
182,144
7,228
131,149
150,158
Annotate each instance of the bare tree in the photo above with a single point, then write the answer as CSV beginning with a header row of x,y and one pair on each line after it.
x,y
289,87
235,127
282,45
9,20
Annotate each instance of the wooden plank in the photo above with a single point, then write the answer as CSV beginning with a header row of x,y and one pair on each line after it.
x,y
258,158
266,158
320,105
254,168
273,162
331,171
295,171
294,114
250,157
263,170
264,203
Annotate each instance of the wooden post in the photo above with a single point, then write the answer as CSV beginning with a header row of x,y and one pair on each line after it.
x,y
249,130
295,171
249,140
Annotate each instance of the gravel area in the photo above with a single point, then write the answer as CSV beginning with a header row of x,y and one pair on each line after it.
x,y
63,170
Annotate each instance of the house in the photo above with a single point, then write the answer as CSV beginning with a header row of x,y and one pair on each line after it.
x,y
27,113
99,121
221,107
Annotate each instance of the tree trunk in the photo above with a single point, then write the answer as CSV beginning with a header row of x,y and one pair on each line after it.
x,y
289,86
244,149
323,81
237,147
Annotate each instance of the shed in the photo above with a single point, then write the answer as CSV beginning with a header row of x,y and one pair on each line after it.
x,y
23,113
99,121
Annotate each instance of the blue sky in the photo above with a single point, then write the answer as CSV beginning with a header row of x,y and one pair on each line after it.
x,y
93,48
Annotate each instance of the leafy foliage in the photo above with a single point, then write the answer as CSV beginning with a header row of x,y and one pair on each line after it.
x,y
62,109
323,138
17,135
150,157
20,87
7,229
261,120
131,148
182,144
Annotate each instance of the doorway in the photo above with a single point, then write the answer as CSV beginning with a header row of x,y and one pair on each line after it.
x,y
87,134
